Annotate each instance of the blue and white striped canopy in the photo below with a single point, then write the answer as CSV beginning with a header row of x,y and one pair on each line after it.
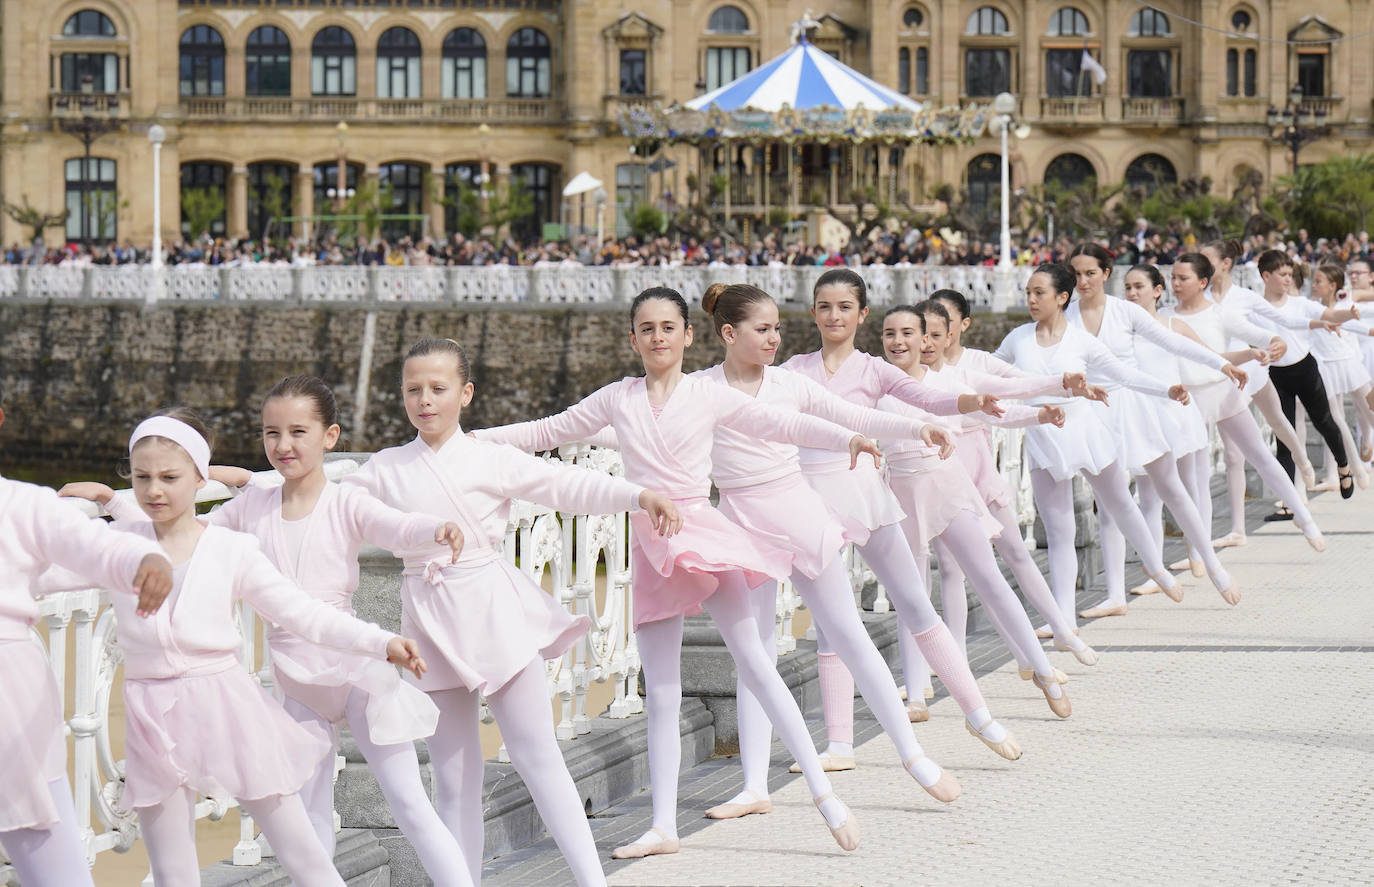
x,y
803,77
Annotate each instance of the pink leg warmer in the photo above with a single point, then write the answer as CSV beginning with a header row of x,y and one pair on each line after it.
x,y
941,651
837,698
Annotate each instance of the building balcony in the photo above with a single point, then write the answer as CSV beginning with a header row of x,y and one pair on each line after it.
x,y
1071,110
329,109
1152,111
88,104
1326,107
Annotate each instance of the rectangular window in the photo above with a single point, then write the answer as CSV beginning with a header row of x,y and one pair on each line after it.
x,y
904,71
102,69
1149,73
92,202
633,72
1250,73
465,77
725,63
1064,76
202,75
267,75
1232,72
922,71
1312,73
527,78
987,72
398,77
333,75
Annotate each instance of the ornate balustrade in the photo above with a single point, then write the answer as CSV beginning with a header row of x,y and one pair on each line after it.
x,y
331,109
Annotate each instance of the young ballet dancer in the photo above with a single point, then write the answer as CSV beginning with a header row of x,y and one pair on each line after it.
x,y
311,530
38,826
944,507
763,491
484,626
1295,374
665,426
1086,445
197,722
973,451
1142,424
839,305
1224,405
1342,369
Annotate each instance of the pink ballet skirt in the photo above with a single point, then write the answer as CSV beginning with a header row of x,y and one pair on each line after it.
x,y
219,734
32,747
480,622
321,679
973,449
1218,400
860,495
788,514
1343,376
672,576
932,492
1085,443
1134,419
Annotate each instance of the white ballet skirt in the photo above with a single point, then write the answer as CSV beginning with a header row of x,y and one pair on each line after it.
x,y
1343,376
1085,443
1134,419
1219,400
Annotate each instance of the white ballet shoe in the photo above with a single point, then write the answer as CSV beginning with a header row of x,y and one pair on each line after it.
x,y
736,809
829,763
638,850
1149,586
945,790
917,713
1230,540
1008,748
1313,534
847,834
1104,609
1085,655
1027,673
1059,705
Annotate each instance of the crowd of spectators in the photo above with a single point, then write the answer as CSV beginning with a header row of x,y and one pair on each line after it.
x,y
902,247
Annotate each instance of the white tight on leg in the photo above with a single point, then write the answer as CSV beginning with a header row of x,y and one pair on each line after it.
x,y
1241,429
1010,545
1113,544
455,751
1165,481
1054,505
168,830
1235,487
51,857
1152,508
1364,414
1111,489
318,792
755,731
953,598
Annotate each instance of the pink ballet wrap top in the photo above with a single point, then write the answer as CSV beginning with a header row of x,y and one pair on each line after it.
x,y
481,621
671,453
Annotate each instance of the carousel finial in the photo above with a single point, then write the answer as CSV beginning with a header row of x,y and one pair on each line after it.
x,y
801,30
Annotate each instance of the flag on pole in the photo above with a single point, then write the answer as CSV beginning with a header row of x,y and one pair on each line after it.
x,y
1091,64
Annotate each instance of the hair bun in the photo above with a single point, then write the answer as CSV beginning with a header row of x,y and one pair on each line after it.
x,y
711,296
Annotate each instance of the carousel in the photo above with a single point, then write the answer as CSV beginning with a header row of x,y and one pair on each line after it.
x,y
801,134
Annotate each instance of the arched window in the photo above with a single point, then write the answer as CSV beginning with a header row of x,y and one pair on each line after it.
x,y
987,21
326,177
463,186
92,201
1069,172
527,64
1149,23
465,65
271,196
204,194
404,182
913,18
267,62
1149,171
398,64
1241,21
88,23
728,20
333,63
1068,22
539,180
984,181
202,61
89,71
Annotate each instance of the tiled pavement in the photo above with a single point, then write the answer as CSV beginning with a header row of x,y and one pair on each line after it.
x,y
1212,745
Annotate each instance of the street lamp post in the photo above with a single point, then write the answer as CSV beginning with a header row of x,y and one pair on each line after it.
x,y
1298,123
1004,109
599,196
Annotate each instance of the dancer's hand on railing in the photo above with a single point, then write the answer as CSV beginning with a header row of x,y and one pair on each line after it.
x,y
99,493
1051,415
1180,394
935,436
451,535
152,583
663,514
405,653
860,444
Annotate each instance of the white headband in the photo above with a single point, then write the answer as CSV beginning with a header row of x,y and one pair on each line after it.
x,y
179,433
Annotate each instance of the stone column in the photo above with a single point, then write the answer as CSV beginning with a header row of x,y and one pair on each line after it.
x,y
434,187
305,202
237,199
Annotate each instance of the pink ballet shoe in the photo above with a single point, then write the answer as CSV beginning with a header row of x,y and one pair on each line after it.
x,y
945,790
1008,748
917,713
1044,633
1027,673
1060,706
1309,474
901,692
1231,593
1367,453
1104,609
1149,586
1085,655
1361,476
1173,591
1230,540
1314,536
847,834
829,763
1180,566
665,845
736,809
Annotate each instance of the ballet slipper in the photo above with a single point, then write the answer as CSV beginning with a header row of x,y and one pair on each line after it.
x,y
1103,609
829,763
917,713
1361,476
1027,673
1313,534
1347,482
1149,586
1197,567
1230,540
902,693
1326,486
1044,632
736,809
1231,593
847,835
1085,655
928,693
1309,474
1367,453
1180,566
945,789
1172,590
1008,748
637,850
1059,706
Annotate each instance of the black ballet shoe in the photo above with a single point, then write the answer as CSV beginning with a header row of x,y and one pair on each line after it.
x,y
1280,514
1347,481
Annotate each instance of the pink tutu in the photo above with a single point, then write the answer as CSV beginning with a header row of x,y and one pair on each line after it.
x,y
932,493
321,679
219,734
32,746
789,514
672,576
860,495
973,449
1218,400
480,624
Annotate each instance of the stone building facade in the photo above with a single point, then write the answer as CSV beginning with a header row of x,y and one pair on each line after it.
x,y
263,100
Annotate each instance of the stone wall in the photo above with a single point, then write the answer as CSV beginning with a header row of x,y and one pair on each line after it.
x,y
78,375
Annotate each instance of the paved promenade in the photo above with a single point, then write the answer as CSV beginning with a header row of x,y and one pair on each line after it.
x,y
1211,745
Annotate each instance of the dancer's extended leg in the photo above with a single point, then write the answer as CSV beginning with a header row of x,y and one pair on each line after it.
x,y
318,792
1111,490
455,751
169,832
1242,430
283,820
1054,505
1164,479
51,857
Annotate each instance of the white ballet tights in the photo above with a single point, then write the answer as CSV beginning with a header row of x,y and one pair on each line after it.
x,y
830,599
660,653
169,832
51,857
1241,431
1267,400
522,711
